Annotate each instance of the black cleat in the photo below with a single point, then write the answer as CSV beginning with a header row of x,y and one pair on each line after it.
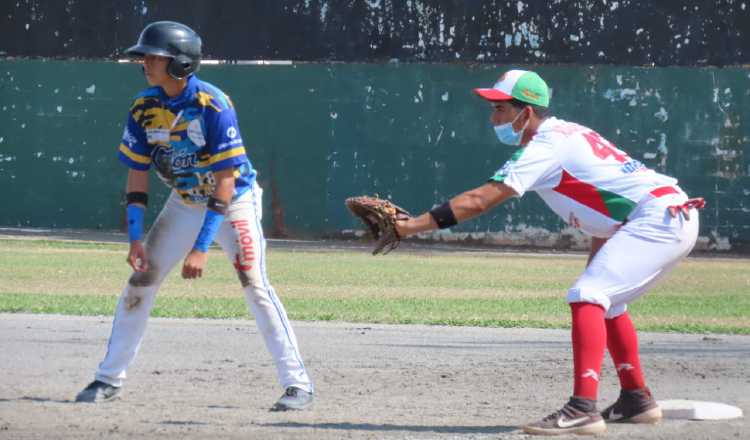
x,y
634,406
98,391
568,420
293,399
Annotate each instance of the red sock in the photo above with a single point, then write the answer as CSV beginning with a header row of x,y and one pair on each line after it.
x,y
589,336
622,342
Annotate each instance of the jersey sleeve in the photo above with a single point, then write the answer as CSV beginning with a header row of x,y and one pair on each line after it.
x,y
225,145
530,168
134,150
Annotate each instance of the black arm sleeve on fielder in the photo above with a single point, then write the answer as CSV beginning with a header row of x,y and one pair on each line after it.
x,y
443,216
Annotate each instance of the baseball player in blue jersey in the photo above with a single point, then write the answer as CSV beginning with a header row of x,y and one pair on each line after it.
x,y
187,130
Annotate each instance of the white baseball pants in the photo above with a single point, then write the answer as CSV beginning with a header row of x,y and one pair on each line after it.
x,y
640,253
170,239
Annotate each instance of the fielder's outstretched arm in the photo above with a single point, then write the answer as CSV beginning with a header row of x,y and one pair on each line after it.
x,y
463,207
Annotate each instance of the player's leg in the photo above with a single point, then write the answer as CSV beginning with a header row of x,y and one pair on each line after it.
x,y
579,415
612,280
622,343
589,339
635,403
633,279
241,237
661,242
167,242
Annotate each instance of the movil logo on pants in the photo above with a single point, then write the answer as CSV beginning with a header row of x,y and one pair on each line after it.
x,y
243,261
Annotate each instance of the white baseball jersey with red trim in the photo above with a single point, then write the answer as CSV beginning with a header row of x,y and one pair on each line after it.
x,y
581,176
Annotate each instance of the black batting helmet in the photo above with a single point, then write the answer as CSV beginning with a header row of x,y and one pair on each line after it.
x,y
173,40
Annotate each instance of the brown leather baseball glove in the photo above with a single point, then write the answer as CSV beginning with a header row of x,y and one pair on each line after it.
x,y
380,217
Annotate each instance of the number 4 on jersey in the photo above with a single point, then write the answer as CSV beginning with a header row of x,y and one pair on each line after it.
x,y
602,148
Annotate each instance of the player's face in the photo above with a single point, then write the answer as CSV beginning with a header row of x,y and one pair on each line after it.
x,y
155,69
503,112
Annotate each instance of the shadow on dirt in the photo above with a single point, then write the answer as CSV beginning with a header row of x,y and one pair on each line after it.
x,y
388,427
183,423
36,399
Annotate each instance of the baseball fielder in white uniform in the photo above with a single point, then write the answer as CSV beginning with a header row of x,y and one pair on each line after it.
x,y
640,221
187,130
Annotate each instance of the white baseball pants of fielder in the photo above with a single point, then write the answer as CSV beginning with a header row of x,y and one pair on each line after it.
x,y
639,254
170,239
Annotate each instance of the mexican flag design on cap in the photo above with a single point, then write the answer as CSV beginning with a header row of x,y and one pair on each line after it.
x,y
522,85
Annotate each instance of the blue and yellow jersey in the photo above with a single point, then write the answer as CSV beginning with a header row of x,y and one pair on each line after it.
x,y
186,139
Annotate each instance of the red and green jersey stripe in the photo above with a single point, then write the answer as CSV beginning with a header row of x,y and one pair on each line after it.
x,y
502,173
605,202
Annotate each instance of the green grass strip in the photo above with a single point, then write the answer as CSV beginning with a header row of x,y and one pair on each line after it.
x,y
509,312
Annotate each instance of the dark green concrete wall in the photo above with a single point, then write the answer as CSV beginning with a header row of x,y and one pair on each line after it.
x,y
319,133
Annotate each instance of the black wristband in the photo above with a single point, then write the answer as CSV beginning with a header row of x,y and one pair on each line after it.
x,y
137,197
217,205
443,216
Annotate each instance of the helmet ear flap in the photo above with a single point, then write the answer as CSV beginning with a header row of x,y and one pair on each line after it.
x,y
180,66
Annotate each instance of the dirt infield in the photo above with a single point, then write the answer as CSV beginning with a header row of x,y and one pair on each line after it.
x,y
213,379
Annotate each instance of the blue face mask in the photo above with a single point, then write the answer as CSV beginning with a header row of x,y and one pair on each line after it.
x,y
506,135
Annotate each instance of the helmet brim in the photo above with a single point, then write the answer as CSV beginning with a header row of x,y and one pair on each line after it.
x,y
140,50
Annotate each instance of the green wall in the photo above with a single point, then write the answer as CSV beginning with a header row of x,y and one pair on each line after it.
x,y
319,133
